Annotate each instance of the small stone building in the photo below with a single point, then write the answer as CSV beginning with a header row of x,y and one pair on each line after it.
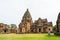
x,y
41,26
4,28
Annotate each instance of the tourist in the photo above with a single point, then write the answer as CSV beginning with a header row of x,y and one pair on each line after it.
x,y
49,32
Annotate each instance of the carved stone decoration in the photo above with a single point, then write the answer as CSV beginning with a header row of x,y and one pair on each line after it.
x,y
58,25
4,28
41,26
26,22
38,26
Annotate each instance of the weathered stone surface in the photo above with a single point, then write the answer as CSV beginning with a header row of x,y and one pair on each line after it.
x,y
4,28
26,22
58,25
39,26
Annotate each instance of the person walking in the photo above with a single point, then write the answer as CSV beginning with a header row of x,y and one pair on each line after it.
x,y
49,32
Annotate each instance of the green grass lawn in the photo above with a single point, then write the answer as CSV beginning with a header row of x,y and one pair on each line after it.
x,y
28,37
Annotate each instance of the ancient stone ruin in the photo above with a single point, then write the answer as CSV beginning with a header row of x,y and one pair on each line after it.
x,y
26,23
28,26
4,28
39,26
57,32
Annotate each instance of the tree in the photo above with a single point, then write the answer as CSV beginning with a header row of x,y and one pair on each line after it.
x,y
13,28
54,27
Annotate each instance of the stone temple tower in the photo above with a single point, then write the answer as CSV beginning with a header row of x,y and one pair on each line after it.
x,y
26,22
58,25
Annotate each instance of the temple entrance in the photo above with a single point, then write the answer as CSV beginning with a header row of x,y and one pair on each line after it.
x,y
39,30
5,30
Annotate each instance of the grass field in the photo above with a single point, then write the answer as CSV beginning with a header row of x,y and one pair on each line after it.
x,y
28,37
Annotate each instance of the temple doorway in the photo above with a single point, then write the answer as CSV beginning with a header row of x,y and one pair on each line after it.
x,y
39,30
5,30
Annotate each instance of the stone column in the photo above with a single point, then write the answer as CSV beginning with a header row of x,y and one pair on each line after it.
x,y
42,29
37,29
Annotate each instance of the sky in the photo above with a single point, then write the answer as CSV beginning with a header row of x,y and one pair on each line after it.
x,y
12,11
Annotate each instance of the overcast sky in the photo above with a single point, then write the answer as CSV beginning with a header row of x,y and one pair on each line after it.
x,y
11,11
